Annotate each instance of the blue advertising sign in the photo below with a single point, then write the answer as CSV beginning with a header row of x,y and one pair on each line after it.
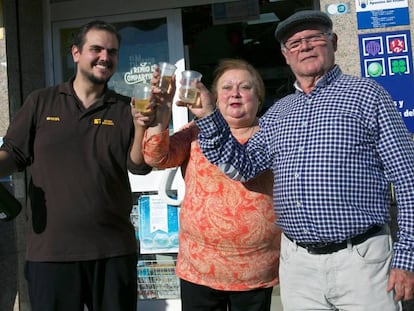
x,y
387,58
381,13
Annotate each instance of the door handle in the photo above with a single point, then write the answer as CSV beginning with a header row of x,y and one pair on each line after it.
x,y
165,184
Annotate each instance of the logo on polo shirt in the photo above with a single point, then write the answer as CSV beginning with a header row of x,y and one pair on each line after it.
x,y
53,119
103,122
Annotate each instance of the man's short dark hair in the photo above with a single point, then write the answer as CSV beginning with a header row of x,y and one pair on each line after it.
x,y
79,39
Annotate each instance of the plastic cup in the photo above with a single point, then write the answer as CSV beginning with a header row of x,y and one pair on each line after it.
x,y
167,71
188,92
141,94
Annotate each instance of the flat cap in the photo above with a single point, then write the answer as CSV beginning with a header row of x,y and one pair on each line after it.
x,y
299,18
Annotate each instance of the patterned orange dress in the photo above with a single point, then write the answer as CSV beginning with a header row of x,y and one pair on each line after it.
x,y
228,239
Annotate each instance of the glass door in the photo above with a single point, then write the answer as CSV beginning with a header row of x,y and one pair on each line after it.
x,y
147,38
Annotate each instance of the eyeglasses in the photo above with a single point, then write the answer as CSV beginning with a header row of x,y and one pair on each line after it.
x,y
315,39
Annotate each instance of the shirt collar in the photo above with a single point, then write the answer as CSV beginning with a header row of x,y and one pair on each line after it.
x,y
325,80
109,95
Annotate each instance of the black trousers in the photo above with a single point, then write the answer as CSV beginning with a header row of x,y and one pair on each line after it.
x,y
102,285
196,297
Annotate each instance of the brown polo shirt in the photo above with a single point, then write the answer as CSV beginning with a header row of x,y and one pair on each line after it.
x,y
79,196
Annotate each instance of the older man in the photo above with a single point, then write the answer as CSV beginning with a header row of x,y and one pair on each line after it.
x,y
334,146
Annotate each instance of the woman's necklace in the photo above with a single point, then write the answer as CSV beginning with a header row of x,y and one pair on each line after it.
x,y
246,134
252,128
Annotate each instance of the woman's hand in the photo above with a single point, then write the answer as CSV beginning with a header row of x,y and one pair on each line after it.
x,y
204,105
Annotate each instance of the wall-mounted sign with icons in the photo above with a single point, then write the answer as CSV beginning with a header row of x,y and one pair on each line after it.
x,y
387,58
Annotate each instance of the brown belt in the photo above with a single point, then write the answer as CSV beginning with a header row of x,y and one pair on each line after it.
x,y
328,248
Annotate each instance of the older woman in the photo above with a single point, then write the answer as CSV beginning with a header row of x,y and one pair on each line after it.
x,y
228,242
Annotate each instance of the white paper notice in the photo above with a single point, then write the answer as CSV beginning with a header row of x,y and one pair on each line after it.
x,y
158,214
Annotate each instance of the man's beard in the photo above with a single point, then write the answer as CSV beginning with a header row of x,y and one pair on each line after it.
x,y
96,80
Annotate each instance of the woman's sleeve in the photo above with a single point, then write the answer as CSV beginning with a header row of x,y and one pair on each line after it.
x,y
164,151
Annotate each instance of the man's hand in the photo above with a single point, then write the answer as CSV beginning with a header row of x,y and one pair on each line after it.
x,y
144,120
403,283
7,164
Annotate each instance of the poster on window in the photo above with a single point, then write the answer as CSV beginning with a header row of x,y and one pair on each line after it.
x,y
158,225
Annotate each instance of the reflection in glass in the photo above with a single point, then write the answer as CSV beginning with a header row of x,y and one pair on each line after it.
x,y
144,43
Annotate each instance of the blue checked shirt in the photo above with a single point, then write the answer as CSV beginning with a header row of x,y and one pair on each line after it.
x,y
333,153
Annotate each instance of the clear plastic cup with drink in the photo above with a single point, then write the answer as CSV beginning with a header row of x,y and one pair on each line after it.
x,y
188,92
141,93
166,72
